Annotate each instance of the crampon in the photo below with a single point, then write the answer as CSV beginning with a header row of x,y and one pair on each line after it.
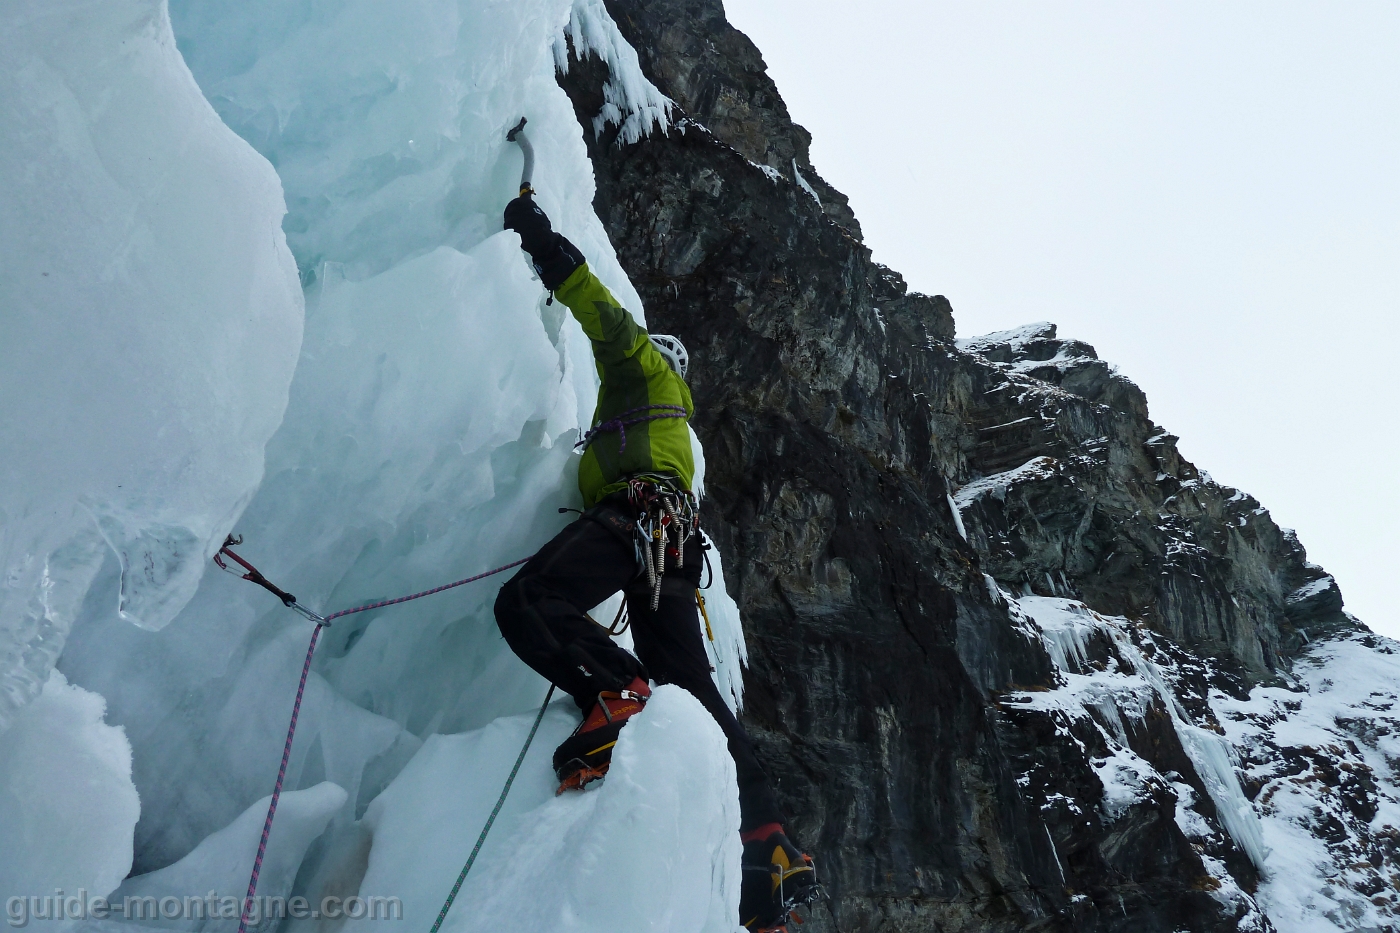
x,y
789,914
578,780
771,892
584,757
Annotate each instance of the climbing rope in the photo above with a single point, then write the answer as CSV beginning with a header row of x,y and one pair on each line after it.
x,y
277,788
436,589
669,519
621,423
252,575
494,811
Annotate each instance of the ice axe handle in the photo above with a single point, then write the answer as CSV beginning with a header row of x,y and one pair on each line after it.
x,y
517,136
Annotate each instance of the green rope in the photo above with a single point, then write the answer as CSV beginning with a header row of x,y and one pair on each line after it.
x,y
494,812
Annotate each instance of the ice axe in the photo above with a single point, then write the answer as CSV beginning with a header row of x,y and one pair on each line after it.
x,y
517,136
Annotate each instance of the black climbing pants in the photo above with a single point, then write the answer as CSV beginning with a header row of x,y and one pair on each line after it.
x,y
541,612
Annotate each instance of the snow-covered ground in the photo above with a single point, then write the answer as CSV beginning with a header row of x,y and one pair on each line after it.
x,y
379,400
1303,776
1320,757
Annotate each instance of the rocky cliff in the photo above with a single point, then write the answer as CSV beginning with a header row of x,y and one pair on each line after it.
x,y
1003,637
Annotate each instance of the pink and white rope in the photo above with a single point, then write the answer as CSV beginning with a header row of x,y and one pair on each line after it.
x,y
296,707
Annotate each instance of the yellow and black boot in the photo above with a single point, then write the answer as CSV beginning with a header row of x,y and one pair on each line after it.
x,y
585,756
776,878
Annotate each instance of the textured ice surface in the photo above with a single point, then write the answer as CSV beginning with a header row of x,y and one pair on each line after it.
x,y
222,861
653,847
67,804
427,435
151,317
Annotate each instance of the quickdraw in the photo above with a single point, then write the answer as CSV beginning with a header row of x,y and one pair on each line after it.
x,y
253,575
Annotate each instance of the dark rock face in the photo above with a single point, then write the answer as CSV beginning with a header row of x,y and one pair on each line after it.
x,y
868,480
695,56
1100,506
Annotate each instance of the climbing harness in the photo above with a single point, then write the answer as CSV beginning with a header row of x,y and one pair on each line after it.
x,y
666,518
621,423
494,812
253,575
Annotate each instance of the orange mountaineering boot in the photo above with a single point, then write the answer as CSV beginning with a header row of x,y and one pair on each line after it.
x,y
584,756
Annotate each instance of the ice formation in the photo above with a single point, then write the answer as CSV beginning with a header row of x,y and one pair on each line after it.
x,y
152,321
630,101
639,829
67,803
221,862
427,433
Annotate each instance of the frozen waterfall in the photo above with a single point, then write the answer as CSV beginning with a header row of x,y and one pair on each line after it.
x,y
417,426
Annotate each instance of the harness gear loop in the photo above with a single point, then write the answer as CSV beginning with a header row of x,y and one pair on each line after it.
x,y
667,517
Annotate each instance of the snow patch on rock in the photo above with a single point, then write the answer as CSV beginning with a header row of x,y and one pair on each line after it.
x,y
630,101
1127,685
1321,754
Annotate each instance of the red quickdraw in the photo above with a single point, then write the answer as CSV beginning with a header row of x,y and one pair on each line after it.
x,y
253,575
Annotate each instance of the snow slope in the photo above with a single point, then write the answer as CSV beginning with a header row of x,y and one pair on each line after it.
x,y
1320,756
1302,775
427,435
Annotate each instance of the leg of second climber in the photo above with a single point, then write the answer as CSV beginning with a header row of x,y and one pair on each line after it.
x,y
776,874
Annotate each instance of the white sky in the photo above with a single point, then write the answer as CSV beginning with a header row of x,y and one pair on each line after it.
x,y
1207,192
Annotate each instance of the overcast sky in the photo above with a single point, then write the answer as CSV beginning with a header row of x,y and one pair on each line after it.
x,y
1207,192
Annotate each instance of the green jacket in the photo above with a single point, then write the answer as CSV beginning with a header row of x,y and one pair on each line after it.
x,y
634,375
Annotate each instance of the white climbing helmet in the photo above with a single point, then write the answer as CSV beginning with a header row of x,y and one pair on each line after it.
x,y
673,350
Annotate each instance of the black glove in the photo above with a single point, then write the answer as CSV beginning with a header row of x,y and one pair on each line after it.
x,y
555,258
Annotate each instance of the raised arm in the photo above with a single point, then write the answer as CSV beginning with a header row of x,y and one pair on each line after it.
x,y
616,336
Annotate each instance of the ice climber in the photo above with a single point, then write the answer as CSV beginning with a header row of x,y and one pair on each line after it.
x,y
639,534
